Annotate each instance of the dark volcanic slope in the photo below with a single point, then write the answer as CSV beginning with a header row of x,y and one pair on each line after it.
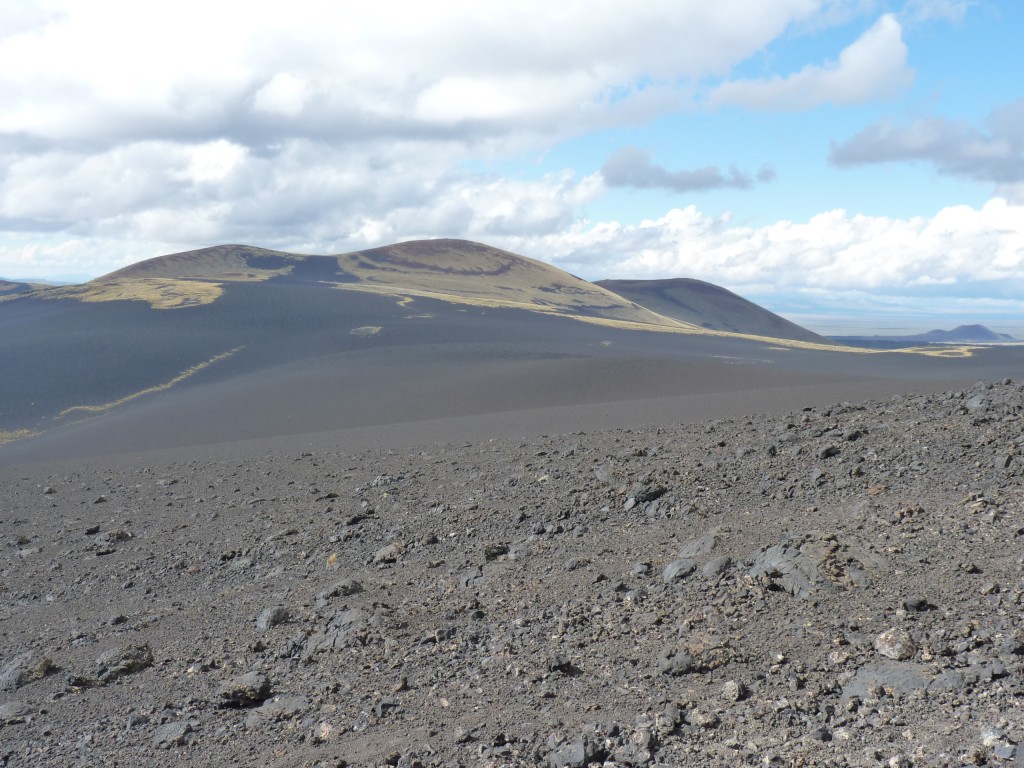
x,y
306,359
10,287
258,345
708,306
836,586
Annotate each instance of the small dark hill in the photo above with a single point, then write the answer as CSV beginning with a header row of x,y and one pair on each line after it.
x,y
709,306
962,334
11,287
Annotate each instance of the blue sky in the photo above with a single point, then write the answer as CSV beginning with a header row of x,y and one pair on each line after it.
x,y
849,163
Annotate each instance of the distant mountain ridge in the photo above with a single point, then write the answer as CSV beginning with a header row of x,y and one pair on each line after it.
x,y
962,334
11,287
459,271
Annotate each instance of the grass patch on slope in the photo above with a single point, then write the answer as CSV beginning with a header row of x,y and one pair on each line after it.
x,y
158,292
149,390
15,434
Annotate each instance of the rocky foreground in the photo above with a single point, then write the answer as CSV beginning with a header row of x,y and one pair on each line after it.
x,y
836,586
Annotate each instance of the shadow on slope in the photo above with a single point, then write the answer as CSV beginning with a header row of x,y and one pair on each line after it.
x,y
709,306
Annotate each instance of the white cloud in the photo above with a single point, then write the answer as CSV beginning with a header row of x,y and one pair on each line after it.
x,y
285,94
115,68
834,250
874,66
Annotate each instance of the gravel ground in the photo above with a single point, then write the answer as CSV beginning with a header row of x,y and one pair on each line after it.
x,y
835,586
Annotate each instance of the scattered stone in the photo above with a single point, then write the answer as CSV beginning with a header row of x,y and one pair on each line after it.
x,y
734,690
125,660
389,554
248,690
14,713
495,550
272,617
170,735
277,709
343,588
23,669
715,568
460,654
895,644
678,569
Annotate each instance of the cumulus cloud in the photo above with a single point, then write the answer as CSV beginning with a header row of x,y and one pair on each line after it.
x,y
954,148
874,66
114,70
632,167
959,246
336,126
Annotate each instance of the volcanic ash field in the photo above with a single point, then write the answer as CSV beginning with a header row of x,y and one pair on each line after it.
x,y
833,586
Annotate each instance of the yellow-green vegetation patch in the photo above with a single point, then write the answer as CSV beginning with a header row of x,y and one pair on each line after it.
x,y
158,292
480,275
653,321
964,350
149,390
15,434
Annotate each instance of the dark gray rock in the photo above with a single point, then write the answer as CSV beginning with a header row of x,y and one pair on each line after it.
x,y
815,562
277,709
272,617
675,661
901,677
678,570
126,660
715,568
248,690
346,629
23,669
571,754
14,713
170,735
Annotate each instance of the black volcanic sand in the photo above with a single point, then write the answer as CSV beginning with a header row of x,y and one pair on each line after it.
x,y
300,371
835,585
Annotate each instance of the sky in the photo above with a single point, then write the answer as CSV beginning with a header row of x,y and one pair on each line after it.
x,y
848,163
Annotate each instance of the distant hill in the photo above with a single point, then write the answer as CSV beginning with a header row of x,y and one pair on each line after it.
x,y
234,342
10,287
458,271
962,334
709,306
451,270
